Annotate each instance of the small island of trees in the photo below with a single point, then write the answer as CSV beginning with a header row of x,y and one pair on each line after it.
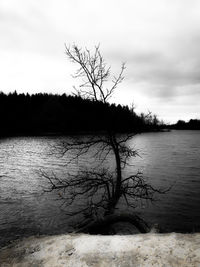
x,y
193,124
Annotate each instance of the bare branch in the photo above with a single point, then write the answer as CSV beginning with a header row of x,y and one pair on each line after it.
x,y
98,189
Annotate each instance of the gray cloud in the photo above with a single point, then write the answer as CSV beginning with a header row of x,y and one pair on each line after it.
x,y
159,40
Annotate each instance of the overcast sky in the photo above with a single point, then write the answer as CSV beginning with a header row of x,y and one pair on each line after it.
x,y
158,39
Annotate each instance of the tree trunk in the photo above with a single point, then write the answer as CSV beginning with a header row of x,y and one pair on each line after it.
x,y
117,189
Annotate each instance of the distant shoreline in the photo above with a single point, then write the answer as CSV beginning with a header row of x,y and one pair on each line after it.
x,y
59,134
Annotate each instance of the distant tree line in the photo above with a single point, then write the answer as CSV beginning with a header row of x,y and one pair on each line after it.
x,y
193,124
38,114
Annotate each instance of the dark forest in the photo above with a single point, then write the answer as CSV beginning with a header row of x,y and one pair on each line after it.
x,y
43,114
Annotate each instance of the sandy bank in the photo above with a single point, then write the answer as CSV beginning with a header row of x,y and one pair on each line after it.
x,y
85,250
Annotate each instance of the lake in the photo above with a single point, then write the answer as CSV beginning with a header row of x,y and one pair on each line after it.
x,y
166,159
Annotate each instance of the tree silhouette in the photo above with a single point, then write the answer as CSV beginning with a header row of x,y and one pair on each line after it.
x,y
100,189
44,114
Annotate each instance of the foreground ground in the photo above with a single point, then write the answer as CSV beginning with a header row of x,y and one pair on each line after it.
x,y
85,250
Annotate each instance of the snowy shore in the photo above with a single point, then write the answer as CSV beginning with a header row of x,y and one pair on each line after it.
x,y
119,250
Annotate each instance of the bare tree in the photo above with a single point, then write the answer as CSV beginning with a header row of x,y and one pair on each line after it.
x,y
100,189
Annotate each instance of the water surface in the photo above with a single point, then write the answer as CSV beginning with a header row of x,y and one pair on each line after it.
x,y
169,158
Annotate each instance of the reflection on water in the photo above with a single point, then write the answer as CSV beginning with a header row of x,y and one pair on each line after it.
x,y
165,159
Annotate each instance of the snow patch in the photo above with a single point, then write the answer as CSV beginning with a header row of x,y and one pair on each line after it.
x,y
86,250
